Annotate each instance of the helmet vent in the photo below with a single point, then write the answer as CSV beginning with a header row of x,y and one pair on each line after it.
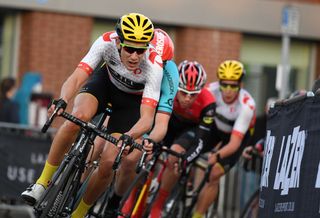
x,y
131,20
138,19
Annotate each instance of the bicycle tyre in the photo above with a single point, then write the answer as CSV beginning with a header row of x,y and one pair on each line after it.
x,y
100,206
252,206
69,194
50,203
174,206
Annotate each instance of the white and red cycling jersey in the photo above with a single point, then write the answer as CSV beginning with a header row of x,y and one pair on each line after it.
x,y
237,117
144,80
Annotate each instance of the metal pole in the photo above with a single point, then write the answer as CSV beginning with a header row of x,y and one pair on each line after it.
x,y
285,64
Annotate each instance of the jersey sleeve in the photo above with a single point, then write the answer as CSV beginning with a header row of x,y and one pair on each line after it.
x,y
94,55
151,92
244,120
169,87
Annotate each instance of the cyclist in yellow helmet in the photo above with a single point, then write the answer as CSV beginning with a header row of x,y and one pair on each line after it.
x,y
234,118
122,69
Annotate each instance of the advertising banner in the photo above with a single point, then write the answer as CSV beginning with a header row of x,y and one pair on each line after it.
x,y
290,180
23,154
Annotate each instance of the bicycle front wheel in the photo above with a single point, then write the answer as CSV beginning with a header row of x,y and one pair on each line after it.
x,y
53,202
252,207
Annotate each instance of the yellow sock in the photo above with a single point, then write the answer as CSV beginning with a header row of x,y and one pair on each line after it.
x,y
81,210
47,174
197,215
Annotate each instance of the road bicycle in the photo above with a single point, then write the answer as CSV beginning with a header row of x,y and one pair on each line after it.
x,y
137,200
182,200
251,208
60,197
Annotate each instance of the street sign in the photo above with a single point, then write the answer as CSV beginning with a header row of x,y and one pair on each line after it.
x,y
290,20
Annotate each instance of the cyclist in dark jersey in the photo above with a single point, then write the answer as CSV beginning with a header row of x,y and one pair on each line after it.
x,y
128,79
193,110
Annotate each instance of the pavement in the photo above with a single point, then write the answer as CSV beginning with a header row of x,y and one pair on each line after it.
x,y
16,211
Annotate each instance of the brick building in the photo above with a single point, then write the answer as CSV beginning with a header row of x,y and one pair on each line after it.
x,y
51,37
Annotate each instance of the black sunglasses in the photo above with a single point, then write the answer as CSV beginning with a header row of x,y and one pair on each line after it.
x,y
131,49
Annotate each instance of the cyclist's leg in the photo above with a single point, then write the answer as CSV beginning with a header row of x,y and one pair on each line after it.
x,y
94,154
98,182
127,171
218,170
169,179
126,111
125,175
62,143
170,176
209,192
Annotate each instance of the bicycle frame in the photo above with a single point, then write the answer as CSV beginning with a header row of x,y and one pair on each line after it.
x,y
181,203
59,198
139,189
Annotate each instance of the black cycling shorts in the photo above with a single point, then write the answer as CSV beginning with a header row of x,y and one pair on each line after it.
x,y
188,141
125,106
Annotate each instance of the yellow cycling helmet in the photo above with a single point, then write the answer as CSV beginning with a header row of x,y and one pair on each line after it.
x,y
231,70
135,27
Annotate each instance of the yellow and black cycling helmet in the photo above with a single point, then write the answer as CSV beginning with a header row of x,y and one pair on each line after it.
x,y
135,27
231,70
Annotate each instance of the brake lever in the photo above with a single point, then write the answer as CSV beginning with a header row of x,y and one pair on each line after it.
x,y
141,161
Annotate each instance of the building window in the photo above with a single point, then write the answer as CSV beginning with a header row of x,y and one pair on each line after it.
x,y
8,43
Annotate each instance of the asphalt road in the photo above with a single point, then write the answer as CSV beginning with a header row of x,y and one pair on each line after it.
x,y
15,211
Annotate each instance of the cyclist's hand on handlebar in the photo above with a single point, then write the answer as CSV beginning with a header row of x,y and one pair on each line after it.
x,y
127,141
213,158
57,104
247,152
149,145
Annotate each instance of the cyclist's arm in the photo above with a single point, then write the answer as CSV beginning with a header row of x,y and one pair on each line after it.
x,y
72,85
203,131
160,128
89,62
237,135
144,123
169,87
256,149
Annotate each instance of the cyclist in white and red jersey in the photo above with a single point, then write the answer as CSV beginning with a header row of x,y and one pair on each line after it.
x,y
163,44
234,119
120,68
169,85
193,109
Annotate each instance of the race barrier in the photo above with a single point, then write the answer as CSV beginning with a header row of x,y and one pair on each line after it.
x,y
290,179
23,152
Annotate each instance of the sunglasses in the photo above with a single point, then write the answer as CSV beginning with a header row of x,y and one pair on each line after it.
x,y
233,87
190,93
132,49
